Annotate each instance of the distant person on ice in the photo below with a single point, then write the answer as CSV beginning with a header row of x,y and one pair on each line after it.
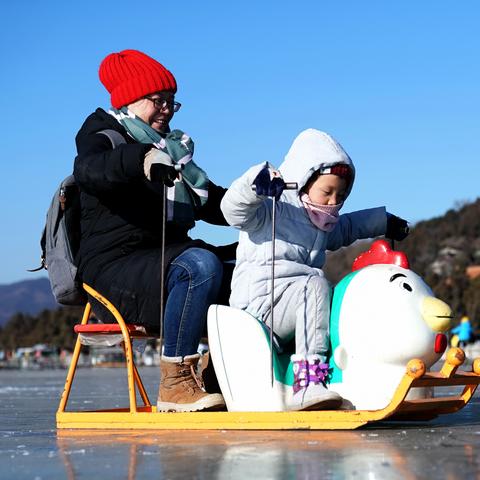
x,y
308,223
121,220
463,332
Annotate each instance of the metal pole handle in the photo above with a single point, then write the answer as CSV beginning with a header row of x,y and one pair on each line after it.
x,y
272,287
162,264
178,167
288,186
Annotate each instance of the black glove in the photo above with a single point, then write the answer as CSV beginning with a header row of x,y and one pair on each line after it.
x,y
163,174
397,228
158,167
267,185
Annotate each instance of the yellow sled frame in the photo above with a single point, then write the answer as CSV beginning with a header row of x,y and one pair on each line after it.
x,y
146,416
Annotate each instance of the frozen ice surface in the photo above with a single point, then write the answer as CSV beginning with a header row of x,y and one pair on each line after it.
x,y
30,448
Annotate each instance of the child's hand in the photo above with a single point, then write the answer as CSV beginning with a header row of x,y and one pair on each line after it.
x,y
397,228
269,182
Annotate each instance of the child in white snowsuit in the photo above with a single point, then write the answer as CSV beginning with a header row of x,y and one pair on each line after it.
x,y
307,224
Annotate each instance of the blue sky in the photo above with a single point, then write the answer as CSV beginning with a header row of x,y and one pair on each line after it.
x,y
396,82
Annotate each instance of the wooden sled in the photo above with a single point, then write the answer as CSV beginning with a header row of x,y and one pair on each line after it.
x,y
145,416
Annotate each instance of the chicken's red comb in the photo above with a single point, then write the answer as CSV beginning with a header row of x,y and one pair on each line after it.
x,y
380,253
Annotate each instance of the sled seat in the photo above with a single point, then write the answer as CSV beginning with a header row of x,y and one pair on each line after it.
x,y
110,328
109,334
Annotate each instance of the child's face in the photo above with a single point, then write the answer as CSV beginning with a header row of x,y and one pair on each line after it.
x,y
327,190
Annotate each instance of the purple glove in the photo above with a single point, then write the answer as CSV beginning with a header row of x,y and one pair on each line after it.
x,y
268,184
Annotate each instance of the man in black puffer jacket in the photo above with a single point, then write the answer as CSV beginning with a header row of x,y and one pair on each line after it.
x,y
121,223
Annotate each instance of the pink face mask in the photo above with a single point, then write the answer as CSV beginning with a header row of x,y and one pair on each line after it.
x,y
322,216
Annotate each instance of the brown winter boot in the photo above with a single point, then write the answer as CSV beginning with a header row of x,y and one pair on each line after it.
x,y
180,388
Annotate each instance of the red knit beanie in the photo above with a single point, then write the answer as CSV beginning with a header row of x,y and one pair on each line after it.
x,y
130,75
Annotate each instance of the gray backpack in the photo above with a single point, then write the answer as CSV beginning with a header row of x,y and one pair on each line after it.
x,y
61,238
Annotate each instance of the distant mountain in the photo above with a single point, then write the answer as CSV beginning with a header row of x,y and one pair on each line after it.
x,y
26,296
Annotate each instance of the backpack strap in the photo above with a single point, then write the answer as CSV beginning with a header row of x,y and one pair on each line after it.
x,y
116,138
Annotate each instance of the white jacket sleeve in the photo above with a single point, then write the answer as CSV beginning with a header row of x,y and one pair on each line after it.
x,y
356,225
241,206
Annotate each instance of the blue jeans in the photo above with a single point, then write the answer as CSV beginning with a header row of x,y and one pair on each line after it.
x,y
192,284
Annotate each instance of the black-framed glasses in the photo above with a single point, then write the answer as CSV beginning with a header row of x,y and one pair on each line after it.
x,y
161,103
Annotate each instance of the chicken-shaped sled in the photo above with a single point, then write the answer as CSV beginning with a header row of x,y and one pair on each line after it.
x,y
386,332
